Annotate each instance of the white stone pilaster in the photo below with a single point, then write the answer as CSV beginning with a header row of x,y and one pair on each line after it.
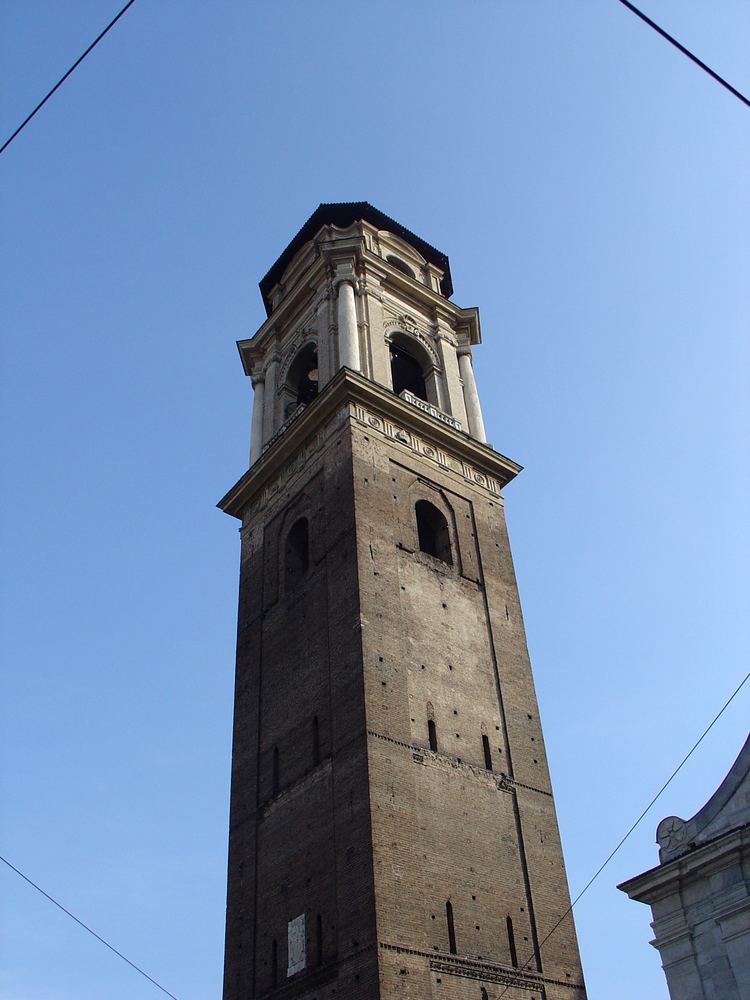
x,y
270,423
454,404
348,332
326,367
471,396
256,433
380,358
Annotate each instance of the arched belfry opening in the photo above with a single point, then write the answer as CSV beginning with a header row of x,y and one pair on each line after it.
x,y
406,373
412,368
301,383
432,531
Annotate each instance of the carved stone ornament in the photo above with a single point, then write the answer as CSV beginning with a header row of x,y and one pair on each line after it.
x,y
426,449
671,834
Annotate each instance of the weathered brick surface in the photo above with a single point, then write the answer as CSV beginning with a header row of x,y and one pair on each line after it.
x,y
373,640
447,643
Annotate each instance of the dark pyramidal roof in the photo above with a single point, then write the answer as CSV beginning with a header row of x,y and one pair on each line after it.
x,y
343,214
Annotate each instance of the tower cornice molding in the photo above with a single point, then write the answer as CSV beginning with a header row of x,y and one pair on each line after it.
x,y
380,410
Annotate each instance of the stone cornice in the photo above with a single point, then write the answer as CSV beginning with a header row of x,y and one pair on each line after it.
x,y
469,967
452,449
675,836
704,860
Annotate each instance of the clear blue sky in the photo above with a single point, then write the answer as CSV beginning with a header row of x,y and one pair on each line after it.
x,y
590,187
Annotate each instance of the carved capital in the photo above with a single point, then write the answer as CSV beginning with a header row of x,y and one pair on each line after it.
x,y
345,275
443,334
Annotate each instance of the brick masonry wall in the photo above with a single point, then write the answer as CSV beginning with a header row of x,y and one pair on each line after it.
x,y
376,833
300,841
447,643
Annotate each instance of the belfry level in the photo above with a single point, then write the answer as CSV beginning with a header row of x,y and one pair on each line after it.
x,y
392,828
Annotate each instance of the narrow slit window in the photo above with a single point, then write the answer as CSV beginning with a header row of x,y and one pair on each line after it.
x,y
487,752
432,531
274,963
484,994
319,938
432,734
297,555
275,772
511,943
451,927
315,741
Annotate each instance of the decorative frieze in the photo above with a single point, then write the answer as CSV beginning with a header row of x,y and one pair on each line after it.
x,y
472,968
426,449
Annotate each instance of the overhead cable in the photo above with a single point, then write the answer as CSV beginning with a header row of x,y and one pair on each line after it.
x,y
685,52
604,864
62,79
87,928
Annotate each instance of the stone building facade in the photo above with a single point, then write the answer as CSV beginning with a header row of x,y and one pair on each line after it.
x,y
699,894
392,827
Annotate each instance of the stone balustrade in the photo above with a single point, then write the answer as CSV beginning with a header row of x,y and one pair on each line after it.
x,y
445,418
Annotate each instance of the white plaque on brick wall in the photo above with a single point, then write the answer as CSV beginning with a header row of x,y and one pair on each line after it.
x,y
296,945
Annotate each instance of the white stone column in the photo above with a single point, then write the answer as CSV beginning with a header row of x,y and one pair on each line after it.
x,y
380,358
452,381
256,433
471,397
270,425
348,333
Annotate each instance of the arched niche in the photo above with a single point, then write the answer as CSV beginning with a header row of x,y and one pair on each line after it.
x,y
400,265
394,246
434,530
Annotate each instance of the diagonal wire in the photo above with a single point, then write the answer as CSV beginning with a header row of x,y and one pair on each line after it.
x,y
604,864
62,79
685,52
87,928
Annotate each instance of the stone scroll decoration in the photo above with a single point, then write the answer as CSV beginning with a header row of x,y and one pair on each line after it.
x,y
671,836
426,449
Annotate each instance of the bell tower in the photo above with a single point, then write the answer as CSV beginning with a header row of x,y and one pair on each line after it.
x,y
392,827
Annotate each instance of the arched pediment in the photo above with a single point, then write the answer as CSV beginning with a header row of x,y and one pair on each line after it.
x,y
389,242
